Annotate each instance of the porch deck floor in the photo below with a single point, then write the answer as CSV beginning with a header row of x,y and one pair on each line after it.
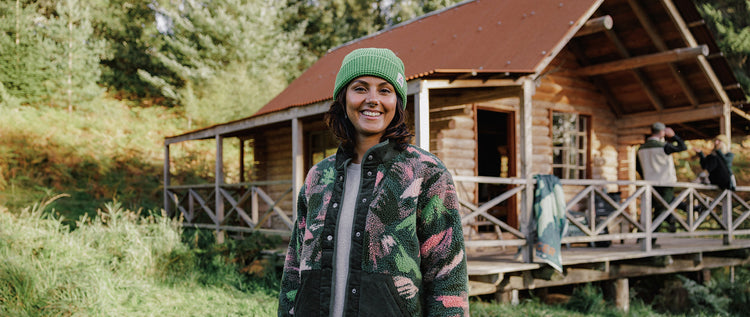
x,y
499,261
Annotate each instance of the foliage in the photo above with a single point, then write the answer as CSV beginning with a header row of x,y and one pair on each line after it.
x,y
737,290
682,295
230,262
728,19
327,24
128,30
228,56
118,263
22,62
53,57
587,299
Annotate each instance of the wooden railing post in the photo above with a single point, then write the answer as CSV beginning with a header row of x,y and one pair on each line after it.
x,y
646,202
298,162
167,205
254,205
726,211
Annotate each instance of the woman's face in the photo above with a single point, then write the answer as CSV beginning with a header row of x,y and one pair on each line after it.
x,y
370,106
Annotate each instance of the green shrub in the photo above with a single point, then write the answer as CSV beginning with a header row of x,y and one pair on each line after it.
x,y
737,291
685,296
587,299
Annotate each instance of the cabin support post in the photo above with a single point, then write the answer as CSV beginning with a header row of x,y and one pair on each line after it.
x,y
242,160
217,188
298,173
422,116
705,276
725,125
167,205
527,196
622,294
507,297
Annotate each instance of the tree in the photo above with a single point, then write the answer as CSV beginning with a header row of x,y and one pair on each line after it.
x,y
229,57
21,63
74,55
128,29
48,55
730,22
326,24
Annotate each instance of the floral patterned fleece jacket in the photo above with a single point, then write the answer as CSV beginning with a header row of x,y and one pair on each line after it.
x,y
407,251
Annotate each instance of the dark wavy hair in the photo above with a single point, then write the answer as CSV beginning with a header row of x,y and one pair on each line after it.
x,y
342,128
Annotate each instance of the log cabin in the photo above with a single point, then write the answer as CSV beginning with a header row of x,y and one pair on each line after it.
x,y
501,91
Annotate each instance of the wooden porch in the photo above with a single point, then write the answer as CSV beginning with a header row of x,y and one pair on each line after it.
x,y
501,272
714,231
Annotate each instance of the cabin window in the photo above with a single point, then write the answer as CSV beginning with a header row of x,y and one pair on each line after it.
x,y
322,145
570,144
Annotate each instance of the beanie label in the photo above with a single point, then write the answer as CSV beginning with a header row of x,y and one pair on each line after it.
x,y
400,79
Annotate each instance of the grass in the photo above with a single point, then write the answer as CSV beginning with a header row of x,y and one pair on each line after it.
x,y
118,263
106,150
136,263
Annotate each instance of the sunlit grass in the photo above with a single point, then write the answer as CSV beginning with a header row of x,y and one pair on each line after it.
x,y
118,263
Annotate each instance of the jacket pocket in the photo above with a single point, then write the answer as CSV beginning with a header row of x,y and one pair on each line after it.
x,y
379,297
307,301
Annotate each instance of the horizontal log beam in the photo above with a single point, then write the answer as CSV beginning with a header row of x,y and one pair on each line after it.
x,y
655,36
672,116
684,31
575,275
644,60
595,25
741,113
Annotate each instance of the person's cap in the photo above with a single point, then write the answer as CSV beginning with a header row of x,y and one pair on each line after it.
x,y
379,62
658,126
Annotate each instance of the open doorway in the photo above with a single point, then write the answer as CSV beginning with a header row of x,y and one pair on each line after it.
x,y
496,157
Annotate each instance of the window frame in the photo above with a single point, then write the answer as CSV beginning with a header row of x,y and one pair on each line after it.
x,y
581,148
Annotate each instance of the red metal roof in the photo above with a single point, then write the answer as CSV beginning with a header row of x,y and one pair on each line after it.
x,y
497,36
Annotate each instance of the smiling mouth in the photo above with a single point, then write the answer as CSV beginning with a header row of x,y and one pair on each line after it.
x,y
371,113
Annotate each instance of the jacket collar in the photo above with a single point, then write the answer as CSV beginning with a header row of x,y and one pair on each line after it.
x,y
382,152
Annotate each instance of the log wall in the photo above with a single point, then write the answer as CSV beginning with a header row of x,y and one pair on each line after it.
x,y
556,92
453,141
274,154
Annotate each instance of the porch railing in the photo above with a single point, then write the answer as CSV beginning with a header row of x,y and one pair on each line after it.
x,y
698,210
234,207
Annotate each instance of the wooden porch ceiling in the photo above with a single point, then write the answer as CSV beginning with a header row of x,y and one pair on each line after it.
x,y
658,61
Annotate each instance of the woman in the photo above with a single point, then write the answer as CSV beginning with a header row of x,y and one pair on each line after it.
x,y
718,164
378,231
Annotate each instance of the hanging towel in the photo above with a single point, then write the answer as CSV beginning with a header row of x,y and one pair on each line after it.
x,y
549,214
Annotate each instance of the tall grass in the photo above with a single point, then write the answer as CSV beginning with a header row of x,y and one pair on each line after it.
x,y
132,263
105,150
118,263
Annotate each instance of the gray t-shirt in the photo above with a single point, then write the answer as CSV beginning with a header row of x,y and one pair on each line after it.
x,y
343,238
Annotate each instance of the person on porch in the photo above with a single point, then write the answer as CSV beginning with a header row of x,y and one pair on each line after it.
x,y
718,163
655,163
378,231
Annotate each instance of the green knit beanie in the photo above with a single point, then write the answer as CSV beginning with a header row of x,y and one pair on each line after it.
x,y
379,62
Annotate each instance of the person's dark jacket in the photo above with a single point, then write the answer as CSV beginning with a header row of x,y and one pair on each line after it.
x,y
718,166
